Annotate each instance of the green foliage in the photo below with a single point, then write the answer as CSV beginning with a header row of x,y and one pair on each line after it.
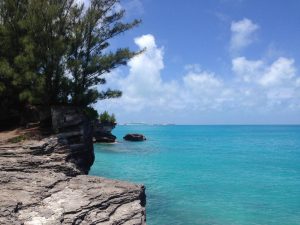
x,y
88,60
57,51
106,118
91,113
11,35
113,118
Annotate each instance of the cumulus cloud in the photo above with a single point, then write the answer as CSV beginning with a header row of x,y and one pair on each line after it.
x,y
242,34
144,89
144,79
246,70
279,73
260,86
204,91
143,86
203,81
275,83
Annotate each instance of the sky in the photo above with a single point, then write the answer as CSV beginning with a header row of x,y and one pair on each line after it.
x,y
209,62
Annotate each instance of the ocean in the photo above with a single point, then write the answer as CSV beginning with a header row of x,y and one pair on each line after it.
x,y
210,175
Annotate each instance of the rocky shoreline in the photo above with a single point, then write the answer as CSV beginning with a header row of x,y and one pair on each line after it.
x,y
43,182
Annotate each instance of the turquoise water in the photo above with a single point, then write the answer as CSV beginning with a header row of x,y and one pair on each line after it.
x,y
210,175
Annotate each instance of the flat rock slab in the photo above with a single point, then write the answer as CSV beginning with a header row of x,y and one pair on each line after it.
x,y
40,186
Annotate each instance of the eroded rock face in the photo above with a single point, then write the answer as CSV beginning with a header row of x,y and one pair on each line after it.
x,y
102,132
73,129
43,182
38,186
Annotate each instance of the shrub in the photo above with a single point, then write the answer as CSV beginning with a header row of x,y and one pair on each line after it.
x,y
105,117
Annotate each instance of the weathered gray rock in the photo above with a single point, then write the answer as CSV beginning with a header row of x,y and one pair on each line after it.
x,y
39,186
43,182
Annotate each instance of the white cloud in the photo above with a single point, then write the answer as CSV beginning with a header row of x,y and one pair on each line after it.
x,y
204,91
144,89
246,70
144,74
147,95
242,34
201,81
275,84
280,71
143,86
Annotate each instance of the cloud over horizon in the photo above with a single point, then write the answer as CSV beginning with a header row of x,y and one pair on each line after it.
x,y
255,86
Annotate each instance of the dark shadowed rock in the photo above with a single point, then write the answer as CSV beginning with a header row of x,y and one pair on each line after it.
x,y
43,182
102,132
104,137
134,137
74,130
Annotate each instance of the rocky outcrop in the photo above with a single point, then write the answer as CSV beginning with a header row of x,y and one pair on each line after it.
x,y
104,138
75,131
102,132
134,137
43,181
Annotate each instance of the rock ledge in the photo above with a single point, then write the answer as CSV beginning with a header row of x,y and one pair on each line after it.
x,y
39,186
43,182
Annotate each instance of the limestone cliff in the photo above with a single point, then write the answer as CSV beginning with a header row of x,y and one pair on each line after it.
x,y
43,182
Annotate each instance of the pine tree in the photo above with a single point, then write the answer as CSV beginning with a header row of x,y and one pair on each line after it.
x,y
87,60
56,52
49,30
12,14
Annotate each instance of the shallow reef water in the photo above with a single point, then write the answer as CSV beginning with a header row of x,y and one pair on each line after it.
x,y
210,175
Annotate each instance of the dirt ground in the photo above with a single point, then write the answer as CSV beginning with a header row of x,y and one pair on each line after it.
x,y
26,133
6,135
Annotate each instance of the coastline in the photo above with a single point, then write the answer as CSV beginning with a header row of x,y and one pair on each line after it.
x,y
44,180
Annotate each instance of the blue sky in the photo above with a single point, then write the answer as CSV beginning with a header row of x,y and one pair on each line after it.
x,y
209,62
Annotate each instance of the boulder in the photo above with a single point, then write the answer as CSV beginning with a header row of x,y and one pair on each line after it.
x,y
134,137
104,137
102,132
